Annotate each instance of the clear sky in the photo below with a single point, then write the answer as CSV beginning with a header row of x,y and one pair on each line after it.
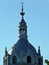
x,y
37,19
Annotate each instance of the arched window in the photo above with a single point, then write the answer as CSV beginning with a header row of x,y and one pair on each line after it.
x,y
23,31
28,59
39,60
14,59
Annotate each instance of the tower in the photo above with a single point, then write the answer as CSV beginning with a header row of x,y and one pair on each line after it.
x,y
22,26
23,53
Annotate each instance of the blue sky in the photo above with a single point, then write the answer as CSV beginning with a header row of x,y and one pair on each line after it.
x,y
37,19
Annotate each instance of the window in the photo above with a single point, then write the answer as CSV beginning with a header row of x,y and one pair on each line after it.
x,y
28,59
14,59
39,61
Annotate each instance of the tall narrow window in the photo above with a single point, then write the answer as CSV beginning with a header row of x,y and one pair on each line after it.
x,y
39,60
28,59
14,59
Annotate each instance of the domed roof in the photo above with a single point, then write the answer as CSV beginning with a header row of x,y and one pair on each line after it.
x,y
22,46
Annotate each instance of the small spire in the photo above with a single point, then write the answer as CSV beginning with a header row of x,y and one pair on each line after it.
x,y
22,13
5,51
39,47
39,50
22,6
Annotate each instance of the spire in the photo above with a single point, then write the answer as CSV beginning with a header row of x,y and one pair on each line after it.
x,y
5,51
22,13
22,25
39,51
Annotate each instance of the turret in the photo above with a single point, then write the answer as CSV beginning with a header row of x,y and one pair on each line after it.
x,y
40,58
6,58
39,53
6,52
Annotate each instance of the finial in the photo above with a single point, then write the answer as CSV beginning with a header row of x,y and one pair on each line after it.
x,y
39,50
22,6
22,13
39,47
5,48
5,51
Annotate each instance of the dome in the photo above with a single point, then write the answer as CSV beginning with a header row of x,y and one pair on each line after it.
x,y
22,46
23,53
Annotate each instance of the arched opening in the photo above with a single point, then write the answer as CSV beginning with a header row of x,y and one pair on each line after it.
x,y
23,31
28,59
39,60
14,59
